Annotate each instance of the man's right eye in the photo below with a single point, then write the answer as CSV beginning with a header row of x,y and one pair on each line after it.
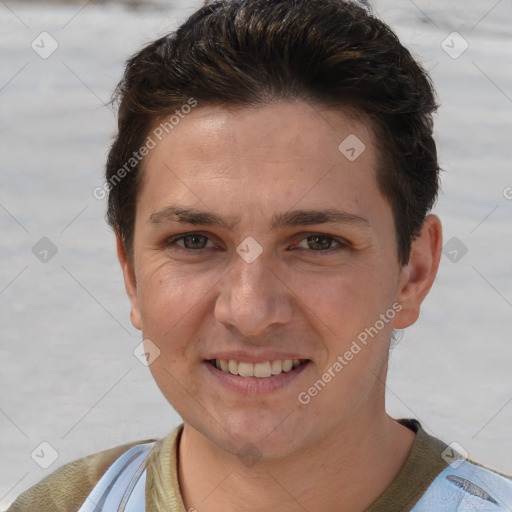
x,y
188,242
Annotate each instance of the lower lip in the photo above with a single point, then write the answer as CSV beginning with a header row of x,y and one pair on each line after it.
x,y
255,385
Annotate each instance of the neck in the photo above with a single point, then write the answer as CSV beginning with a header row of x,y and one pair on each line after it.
x,y
348,470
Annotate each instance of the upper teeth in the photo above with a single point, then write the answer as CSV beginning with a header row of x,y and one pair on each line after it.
x,y
260,370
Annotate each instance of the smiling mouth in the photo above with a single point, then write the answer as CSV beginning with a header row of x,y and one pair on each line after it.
x,y
259,370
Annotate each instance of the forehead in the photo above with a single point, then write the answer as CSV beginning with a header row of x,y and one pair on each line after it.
x,y
296,128
288,152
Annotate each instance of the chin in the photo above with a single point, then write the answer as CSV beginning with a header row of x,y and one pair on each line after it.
x,y
255,434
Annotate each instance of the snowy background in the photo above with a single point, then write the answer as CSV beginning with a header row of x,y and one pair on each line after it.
x,y
68,376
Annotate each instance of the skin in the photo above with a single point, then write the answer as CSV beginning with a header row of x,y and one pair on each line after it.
x,y
341,450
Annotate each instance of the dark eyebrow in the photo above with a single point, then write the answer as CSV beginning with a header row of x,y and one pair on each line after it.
x,y
278,221
173,213
308,217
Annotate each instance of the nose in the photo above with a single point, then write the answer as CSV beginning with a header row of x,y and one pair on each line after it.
x,y
253,298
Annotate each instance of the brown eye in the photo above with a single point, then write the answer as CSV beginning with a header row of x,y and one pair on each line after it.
x,y
320,242
194,241
189,242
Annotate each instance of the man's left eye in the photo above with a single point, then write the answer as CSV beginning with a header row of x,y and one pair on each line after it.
x,y
320,242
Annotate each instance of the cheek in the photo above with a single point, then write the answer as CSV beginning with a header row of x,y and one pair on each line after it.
x,y
169,302
172,310
343,308
338,297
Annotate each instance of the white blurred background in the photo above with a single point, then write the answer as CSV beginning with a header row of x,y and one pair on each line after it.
x,y
68,373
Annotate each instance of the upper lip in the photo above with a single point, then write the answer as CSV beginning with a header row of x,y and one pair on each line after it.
x,y
254,357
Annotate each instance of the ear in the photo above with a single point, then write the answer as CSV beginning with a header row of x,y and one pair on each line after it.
x,y
130,283
419,274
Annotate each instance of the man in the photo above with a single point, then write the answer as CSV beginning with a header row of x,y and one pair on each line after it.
x,y
270,189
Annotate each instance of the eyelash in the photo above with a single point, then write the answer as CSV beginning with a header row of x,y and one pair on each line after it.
x,y
342,244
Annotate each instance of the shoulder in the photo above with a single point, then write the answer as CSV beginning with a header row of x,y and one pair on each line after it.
x,y
465,486
437,478
66,489
460,484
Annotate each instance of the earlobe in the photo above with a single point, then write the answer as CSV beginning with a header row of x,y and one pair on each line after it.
x,y
419,274
130,283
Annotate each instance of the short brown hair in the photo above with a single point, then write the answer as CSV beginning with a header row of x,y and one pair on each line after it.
x,y
253,52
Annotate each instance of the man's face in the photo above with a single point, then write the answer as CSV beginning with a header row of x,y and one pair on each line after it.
x,y
272,281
